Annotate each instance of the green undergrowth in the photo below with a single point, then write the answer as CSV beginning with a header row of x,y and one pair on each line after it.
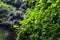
x,y
41,22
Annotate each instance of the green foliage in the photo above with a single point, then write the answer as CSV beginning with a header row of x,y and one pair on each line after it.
x,y
42,22
4,5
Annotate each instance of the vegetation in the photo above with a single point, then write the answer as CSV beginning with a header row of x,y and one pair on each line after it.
x,y
42,22
41,19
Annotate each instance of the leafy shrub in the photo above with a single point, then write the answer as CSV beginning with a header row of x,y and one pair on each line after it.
x,y
42,22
